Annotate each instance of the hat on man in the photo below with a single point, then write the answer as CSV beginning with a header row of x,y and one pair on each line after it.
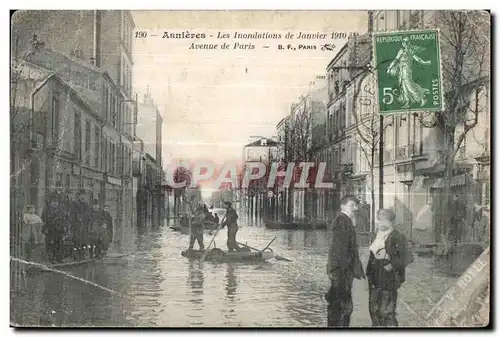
x,y
228,203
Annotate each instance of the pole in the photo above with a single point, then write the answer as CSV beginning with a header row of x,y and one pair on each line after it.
x,y
381,163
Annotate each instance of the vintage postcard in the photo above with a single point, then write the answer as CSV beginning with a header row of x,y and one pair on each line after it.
x,y
250,168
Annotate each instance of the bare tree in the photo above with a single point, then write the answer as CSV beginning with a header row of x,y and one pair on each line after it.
x,y
301,128
465,50
304,137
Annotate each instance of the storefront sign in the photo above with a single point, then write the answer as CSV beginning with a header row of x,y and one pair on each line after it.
x,y
114,181
92,174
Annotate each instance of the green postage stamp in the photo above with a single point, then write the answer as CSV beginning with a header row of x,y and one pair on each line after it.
x,y
408,68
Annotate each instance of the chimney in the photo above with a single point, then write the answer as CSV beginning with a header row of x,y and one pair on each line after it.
x,y
370,22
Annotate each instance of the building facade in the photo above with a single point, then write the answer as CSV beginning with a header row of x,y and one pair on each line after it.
x,y
151,185
255,202
80,48
413,155
302,138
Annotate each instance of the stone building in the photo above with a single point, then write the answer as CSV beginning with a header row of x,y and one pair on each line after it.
x,y
152,185
91,52
413,157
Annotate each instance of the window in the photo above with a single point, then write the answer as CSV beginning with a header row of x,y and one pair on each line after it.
x,y
415,19
119,115
87,143
55,119
487,191
116,158
78,137
113,110
106,102
104,160
97,146
111,158
119,168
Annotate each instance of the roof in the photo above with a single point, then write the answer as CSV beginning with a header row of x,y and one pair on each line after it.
x,y
269,142
52,75
337,56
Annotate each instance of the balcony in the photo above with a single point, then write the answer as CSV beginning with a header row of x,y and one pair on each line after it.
x,y
347,169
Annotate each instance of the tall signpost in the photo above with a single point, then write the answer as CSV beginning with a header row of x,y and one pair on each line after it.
x,y
407,67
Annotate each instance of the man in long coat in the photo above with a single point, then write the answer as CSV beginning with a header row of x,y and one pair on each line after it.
x,y
80,214
343,264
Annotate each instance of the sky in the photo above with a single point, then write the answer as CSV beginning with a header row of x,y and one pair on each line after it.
x,y
213,101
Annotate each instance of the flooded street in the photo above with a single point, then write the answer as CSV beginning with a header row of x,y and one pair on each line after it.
x,y
163,289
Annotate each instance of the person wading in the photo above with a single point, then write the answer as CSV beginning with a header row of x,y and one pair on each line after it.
x,y
108,222
232,227
389,256
80,213
343,264
96,230
55,222
197,229
32,230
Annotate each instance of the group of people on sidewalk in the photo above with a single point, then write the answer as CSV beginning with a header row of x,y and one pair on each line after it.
x,y
385,272
203,215
68,228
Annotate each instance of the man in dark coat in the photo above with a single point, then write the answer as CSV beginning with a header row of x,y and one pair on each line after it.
x,y
343,264
55,221
61,196
232,227
197,228
389,256
108,223
80,214
96,230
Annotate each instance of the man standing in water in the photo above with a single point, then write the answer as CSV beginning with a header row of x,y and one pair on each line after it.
x,y
232,227
197,228
389,256
343,264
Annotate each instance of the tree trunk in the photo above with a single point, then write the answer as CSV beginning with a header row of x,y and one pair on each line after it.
x,y
447,228
372,191
289,211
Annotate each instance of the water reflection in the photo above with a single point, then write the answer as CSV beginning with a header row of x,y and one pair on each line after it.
x,y
195,281
231,282
300,239
52,296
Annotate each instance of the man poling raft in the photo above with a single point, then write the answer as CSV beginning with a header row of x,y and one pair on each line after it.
x,y
235,253
232,227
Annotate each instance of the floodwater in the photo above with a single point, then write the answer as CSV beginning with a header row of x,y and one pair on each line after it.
x,y
161,288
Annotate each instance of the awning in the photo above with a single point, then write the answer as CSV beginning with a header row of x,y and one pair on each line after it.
x,y
455,181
